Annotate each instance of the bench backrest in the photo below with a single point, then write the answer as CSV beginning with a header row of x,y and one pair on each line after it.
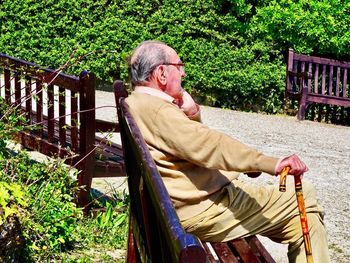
x,y
327,76
56,104
60,107
156,228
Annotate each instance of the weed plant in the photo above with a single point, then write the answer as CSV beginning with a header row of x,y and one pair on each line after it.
x,y
42,196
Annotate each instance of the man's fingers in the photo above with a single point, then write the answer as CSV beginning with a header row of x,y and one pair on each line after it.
x,y
298,167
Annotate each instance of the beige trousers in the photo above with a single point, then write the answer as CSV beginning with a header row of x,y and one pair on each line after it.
x,y
245,209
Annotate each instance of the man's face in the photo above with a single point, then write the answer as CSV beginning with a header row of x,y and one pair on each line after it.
x,y
175,73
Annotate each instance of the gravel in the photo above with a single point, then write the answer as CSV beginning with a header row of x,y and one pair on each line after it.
x,y
325,148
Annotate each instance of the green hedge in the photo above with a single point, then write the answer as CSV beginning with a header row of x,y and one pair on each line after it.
x,y
233,50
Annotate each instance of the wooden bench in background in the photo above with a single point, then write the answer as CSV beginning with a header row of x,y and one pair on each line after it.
x,y
62,110
155,232
318,80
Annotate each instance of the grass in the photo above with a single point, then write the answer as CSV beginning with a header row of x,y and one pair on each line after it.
x,y
48,214
96,244
101,238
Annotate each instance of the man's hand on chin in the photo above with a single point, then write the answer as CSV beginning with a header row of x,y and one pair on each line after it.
x,y
188,105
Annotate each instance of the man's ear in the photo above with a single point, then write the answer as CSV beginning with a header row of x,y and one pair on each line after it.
x,y
162,74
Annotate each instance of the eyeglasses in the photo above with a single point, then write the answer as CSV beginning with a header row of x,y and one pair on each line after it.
x,y
180,66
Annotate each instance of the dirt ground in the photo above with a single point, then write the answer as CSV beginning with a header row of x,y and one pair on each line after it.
x,y
325,148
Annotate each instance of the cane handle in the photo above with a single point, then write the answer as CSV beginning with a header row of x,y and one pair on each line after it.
x,y
283,178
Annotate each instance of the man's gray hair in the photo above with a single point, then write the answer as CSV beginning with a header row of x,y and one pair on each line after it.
x,y
144,59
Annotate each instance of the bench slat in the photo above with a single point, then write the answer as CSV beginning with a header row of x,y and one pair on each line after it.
x,y
325,99
265,255
320,60
62,114
224,253
345,76
17,90
244,250
50,113
337,82
7,79
39,107
302,66
324,79
211,254
309,79
28,98
43,146
330,81
30,69
74,121
316,90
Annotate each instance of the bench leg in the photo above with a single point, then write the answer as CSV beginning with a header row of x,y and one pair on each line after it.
x,y
303,105
301,112
132,254
84,179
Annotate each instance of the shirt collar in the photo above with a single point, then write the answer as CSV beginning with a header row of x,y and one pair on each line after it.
x,y
154,92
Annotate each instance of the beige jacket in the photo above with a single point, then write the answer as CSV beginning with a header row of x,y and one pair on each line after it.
x,y
194,161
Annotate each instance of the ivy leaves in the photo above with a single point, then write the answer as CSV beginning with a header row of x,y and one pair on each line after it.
x,y
224,43
11,195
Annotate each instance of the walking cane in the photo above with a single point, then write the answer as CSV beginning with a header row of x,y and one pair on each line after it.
x,y
302,211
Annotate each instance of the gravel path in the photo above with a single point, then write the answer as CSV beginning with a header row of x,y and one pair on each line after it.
x,y
325,148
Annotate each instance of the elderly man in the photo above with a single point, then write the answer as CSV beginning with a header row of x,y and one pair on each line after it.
x,y
200,166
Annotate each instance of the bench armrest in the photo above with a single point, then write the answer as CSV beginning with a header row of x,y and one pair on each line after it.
x,y
304,74
292,89
106,126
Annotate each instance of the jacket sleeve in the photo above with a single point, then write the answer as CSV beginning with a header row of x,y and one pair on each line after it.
x,y
197,143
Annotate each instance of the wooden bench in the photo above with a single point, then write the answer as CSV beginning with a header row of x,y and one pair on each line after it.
x,y
155,232
319,80
61,109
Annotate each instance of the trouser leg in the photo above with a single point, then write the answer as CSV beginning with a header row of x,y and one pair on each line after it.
x,y
296,250
290,233
246,209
